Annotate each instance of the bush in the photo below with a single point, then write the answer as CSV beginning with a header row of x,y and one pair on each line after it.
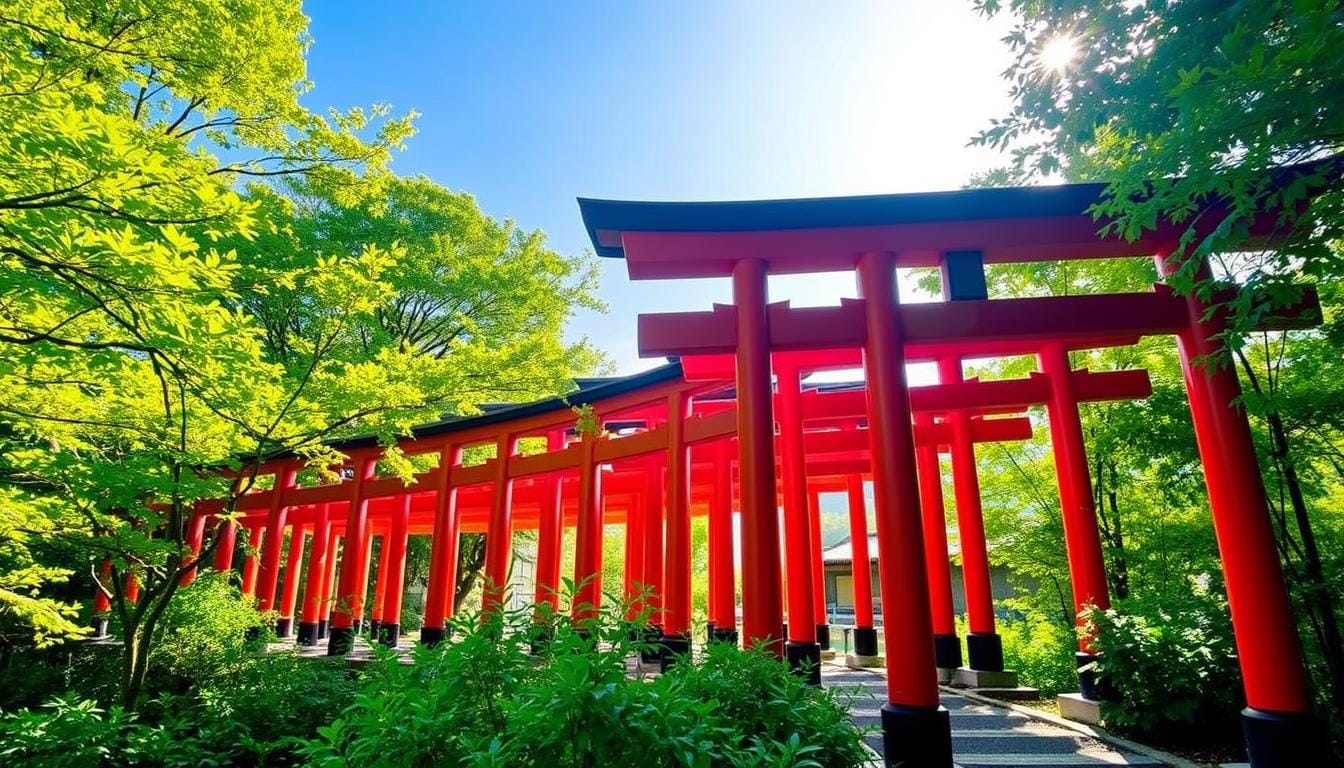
x,y
483,701
1041,652
1167,667
207,627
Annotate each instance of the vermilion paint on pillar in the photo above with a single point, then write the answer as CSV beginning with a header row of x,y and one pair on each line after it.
x,y
588,533
677,603
799,594
268,574
722,581
551,530
254,540
907,626
1267,644
395,582
293,564
443,548
935,537
860,560
499,538
761,609
1082,539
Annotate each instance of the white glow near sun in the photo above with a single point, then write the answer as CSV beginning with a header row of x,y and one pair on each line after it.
x,y
1057,53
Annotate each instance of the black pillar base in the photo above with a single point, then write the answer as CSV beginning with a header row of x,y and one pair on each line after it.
x,y
675,649
308,633
652,651
283,627
916,736
252,633
865,641
357,627
100,627
805,661
1087,678
722,635
340,641
946,651
709,631
1283,739
824,636
389,634
431,636
784,631
322,626
985,652
374,626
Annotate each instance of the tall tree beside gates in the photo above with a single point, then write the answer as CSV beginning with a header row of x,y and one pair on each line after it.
x,y
196,267
1193,111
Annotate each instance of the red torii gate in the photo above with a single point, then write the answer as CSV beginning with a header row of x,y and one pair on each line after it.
x,y
672,456
958,232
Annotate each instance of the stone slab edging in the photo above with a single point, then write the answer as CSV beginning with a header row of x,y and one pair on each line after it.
x,y
1086,730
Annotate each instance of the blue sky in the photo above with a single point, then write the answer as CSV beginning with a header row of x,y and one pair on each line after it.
x,y
529,105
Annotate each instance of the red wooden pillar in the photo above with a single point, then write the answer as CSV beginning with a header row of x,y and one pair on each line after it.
x,y
269,574
1082,539
551,530
379,585
802,650
722,584
442,585
1277,721
365,566
102,605
588,534
195,539
633,572
861,567
254,538
228,541
676,639
334,549
317,571
349,596
761,610
289,592
984,647
946,644
916,730
395,557
132,589
499,536
653,545
821,618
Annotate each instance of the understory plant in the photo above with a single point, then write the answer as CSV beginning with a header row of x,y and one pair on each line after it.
x,y
1168,665
484,700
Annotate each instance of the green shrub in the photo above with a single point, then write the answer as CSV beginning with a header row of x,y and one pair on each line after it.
x,y
484,701
1168,667
207,627
1041,652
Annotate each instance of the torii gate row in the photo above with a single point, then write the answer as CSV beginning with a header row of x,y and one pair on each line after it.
x,y
475,502
834,452
959,232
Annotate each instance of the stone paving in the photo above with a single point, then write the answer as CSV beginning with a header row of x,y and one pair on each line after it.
x,y
984,735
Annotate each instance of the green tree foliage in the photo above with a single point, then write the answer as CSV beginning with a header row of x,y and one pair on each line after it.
x,y
1188,109
1191,111
197,267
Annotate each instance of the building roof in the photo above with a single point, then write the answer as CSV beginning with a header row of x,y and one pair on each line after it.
x,y
843,551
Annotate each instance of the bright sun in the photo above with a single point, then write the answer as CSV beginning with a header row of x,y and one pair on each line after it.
x,y
1057,53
